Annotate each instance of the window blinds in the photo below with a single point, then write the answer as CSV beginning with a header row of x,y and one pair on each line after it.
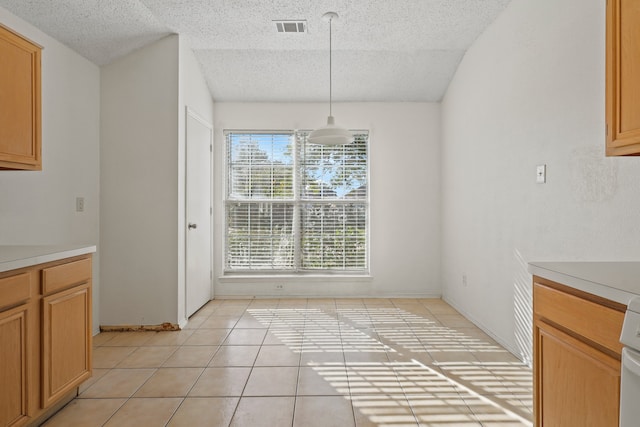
x,y
295,206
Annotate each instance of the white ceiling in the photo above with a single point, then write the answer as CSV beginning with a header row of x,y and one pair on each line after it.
x,y
383,50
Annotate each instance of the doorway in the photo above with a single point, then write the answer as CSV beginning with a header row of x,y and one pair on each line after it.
x,y
199,139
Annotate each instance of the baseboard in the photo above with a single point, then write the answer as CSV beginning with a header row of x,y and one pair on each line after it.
x,y
183,323
510,348
299,296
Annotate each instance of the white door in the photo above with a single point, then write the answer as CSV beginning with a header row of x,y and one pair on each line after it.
x,y
198,213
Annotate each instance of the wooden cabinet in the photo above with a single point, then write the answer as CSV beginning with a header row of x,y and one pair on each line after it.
x,y
45,336
16,347
20,127
13,369
623,78
576,357
66,329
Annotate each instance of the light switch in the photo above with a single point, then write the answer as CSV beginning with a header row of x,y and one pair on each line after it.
x,y
79,204
541,174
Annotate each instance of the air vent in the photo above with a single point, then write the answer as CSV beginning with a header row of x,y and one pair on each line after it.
x,y
291,26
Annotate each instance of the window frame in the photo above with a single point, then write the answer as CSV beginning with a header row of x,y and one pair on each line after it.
x,y
297,201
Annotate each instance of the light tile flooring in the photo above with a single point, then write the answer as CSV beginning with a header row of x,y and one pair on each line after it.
x,y
306,363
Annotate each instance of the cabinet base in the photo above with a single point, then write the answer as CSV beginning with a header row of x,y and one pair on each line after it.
x,y
53,409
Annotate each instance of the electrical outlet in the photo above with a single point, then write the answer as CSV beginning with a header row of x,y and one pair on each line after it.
x,y
279,287
79,204
464,280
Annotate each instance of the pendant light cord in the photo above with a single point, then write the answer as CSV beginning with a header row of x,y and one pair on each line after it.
x,y
330,76
330,134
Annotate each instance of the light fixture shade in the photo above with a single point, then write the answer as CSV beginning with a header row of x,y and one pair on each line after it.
x,y
330,134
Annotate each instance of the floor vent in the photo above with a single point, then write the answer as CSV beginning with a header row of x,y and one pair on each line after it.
x,y
291,26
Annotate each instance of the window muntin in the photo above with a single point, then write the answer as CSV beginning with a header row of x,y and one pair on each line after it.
x,y
292,206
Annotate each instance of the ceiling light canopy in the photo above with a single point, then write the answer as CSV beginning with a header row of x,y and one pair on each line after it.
x,y
330,134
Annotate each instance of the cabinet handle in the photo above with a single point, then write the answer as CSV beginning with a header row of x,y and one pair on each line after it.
x,y
192,226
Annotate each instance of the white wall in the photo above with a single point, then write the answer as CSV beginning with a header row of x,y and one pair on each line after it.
x,y
530,91
139,186
143,184
405,195
193,94
39,207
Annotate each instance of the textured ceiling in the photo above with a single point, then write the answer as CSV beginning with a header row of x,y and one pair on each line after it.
x,y
383,50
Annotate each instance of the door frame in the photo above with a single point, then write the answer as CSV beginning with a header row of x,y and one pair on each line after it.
x,y
189,112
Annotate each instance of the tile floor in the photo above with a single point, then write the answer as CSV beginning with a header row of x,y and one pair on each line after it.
x,y
306,363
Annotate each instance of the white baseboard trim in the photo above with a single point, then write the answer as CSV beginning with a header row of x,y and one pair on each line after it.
x,y
183,323
301,296
507,346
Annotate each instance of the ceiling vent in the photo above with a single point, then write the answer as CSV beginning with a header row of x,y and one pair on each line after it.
x,y
291,26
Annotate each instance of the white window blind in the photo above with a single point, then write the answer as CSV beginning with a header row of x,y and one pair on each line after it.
x,y
295,206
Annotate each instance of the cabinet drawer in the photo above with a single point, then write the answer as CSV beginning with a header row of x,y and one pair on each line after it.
x,y
65,275
15,289
595,322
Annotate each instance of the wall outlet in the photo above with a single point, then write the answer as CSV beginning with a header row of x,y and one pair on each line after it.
x,y
279,287
464,280
79,204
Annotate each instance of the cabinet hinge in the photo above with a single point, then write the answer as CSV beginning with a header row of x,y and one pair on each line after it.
x,y
211,148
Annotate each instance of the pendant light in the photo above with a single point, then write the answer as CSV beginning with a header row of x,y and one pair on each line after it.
x,y
330,134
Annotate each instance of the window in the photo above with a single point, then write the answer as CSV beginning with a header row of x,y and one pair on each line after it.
x,y
293,206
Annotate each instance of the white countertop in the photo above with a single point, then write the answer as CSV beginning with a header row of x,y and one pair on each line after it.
x,y
13,257
615,281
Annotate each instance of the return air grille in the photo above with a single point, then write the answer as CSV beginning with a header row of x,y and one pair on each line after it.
x,y
290,26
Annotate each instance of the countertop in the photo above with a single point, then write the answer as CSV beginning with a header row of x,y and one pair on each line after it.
x,y
13,257
615,281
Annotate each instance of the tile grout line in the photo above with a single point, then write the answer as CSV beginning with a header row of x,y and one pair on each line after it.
x,y
346,369
235,410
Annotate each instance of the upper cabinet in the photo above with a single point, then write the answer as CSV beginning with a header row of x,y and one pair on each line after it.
x,y
623,77
20,133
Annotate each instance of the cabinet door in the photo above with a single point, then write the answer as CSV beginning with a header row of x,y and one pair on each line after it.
x,y
20,130
623,78
577,385
13,366
66,341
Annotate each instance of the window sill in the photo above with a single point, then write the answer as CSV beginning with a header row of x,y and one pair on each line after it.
x,y
260,277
